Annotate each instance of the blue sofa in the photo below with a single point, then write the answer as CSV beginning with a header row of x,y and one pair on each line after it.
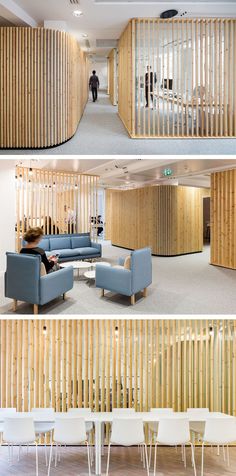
x,y
23,281
127,281
77,246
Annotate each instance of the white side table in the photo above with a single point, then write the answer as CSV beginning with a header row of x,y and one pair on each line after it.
x,y
77,265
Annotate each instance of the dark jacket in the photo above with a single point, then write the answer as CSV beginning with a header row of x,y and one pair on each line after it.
x,y
39,251
93,81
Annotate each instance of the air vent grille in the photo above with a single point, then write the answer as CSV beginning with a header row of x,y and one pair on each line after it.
x,y
74,2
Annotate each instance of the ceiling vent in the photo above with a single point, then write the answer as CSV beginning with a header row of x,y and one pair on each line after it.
x,y
106,43
74,2
169,14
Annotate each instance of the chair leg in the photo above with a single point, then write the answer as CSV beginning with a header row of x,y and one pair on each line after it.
x,y
184,451
132,299
108,459
150,453
146,456
202,458
36,309
37,462
14,305
50,459
102,292
89,464
145,292
228,462
155,460
45,450
223,452
56,455
193,460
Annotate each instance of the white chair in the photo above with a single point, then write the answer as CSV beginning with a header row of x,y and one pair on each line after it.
x,y
19,430
69,431
197,428
174,432
4,412
43,428
81,412
153,426
127,432
219,431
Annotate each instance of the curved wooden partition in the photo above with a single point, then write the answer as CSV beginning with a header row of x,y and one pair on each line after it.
x,y
167,218
112,76
43,87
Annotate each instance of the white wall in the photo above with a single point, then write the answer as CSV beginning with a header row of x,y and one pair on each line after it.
x,y
101,71
8,218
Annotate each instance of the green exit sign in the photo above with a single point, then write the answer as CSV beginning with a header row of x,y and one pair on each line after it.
x,y
167,172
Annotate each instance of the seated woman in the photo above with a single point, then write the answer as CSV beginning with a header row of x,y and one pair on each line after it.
x,y
33,237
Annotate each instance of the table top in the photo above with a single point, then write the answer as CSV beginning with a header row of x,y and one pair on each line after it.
x,y
108,417
90,274
77,264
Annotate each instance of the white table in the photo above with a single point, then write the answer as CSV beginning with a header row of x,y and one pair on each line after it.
x,y
91,274
99,418
77,265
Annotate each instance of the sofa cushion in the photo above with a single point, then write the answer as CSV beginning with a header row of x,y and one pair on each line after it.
x,y
64,253
60,243
44,244
86,251
80,241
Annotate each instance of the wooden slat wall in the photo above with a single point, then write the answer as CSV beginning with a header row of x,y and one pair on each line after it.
x,y
150,363
112,76
167,218
223,218
197,55
108,213
43,87
60,202
126,66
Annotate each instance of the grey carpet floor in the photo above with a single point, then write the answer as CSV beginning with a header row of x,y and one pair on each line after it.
x,y
182,285
101,132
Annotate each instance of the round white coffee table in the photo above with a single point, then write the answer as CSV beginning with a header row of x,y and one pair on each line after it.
x,y
77,265
91,274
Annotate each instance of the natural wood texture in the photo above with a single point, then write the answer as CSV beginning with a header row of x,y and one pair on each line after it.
x,y
125,78
108,213
59,202
125,363
167,218
191,91
223,218
112,76
43,87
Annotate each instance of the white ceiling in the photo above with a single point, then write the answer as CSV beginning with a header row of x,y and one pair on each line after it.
x,y
107,20
131,173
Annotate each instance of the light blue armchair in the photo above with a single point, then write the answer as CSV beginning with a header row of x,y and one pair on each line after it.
x,y
127,281
24,283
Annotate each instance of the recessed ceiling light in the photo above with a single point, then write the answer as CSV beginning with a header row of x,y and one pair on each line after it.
x,y
85,35
77,13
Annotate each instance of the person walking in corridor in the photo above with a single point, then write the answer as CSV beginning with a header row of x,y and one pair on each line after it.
x,y
94,85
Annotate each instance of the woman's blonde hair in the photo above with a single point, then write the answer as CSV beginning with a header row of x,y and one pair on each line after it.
x,y
33,234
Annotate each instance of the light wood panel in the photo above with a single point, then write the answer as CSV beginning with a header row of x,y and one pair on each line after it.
x,y
112,76
43,87
148,363
167,218
126,65
223,218
184,69
59,202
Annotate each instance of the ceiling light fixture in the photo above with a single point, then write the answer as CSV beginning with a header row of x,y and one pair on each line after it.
x,y
77,13
85,35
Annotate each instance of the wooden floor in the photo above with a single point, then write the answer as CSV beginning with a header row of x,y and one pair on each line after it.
x,y
124,462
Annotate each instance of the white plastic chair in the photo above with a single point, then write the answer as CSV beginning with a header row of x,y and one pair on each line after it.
x,y
81,412
219,431
153,426
127,432
4,412
19,431
43,428
69,431
174,432
197,428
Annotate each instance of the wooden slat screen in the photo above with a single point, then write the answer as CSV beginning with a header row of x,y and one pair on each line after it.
x,y
223,218
60,202
118,363
125,77
43,87
185,70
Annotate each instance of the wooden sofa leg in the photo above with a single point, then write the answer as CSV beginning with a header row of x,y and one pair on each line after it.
x,y
145,292
14,305
102,292
36,309
133,299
